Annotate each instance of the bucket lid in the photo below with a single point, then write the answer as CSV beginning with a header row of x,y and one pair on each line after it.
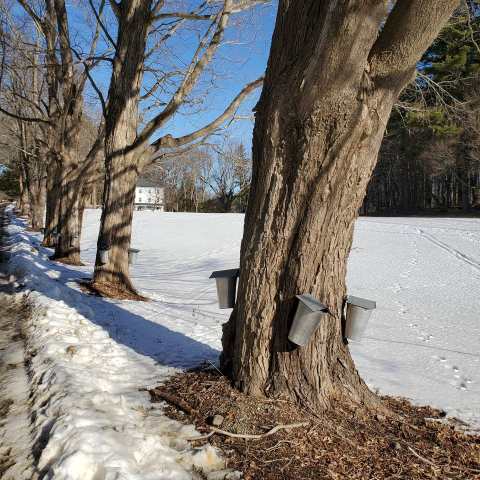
x,y
312,303
362,302
233,272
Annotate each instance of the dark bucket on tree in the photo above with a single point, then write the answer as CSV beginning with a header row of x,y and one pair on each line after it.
x,y
226,286
133,255
359,311
307,319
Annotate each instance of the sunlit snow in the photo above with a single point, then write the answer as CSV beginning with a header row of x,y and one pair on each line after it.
x,y
92,355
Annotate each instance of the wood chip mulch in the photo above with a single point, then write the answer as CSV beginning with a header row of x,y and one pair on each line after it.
x,y
108,291
343,443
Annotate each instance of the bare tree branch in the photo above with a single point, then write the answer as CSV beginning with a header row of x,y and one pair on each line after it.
x,y
171,142
23,118
99,20
198,64
409,30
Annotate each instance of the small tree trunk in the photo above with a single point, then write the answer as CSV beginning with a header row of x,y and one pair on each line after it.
x,y
52,204
23,206
67,247
37,204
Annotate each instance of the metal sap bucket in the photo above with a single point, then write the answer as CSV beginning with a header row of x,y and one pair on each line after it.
x,y
307,319
359,311
103,255
133,255
226,286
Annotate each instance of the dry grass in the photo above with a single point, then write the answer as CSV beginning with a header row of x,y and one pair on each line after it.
x,y
344,443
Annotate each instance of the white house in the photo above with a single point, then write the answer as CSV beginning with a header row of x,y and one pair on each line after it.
x,y
149,195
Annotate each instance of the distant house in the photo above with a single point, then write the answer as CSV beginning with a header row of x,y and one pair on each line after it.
x,y
149,195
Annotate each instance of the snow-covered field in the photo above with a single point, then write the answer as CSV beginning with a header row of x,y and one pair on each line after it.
x,y
91,356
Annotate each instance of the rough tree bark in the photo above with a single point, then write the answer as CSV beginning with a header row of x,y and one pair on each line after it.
x,y
121,166
67,245
330,85
52,205
37,193
23,205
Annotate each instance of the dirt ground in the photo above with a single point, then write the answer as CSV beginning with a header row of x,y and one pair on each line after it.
x,y
344,443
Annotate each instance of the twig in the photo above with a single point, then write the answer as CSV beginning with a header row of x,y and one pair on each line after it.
x,y
178,402
215,367
279,443
249,436
426,460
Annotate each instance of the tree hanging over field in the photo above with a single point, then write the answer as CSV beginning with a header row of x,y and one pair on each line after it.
x,y
429,159
143,29
335,70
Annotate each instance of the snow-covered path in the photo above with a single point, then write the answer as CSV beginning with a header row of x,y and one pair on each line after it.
x,y
91,355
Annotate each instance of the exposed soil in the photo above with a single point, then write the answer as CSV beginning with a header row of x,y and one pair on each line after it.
x,y
109,291
344,443
66,261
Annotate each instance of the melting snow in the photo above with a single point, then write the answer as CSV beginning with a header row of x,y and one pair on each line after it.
x,y
90,356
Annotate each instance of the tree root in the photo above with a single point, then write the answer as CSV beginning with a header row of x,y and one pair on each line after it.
x,y
156,394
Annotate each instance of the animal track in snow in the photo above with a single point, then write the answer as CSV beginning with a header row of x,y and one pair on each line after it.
x,y
459,381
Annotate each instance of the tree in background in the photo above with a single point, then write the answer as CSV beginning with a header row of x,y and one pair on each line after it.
x,y
143,30
429,157
335,70
227,175
54,99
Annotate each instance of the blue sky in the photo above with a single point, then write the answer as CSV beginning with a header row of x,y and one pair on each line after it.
x,y
240,60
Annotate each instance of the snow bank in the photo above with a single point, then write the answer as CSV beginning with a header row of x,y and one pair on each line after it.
x,y
90,421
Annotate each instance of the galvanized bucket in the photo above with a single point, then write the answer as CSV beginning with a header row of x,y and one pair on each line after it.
x,y
133,255
226,287
307,319
359,311
103,256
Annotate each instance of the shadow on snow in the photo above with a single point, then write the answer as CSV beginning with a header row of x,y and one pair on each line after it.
x,y
145,337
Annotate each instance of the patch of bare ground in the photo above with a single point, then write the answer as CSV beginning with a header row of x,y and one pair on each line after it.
x,y
109,291
66,261
343,443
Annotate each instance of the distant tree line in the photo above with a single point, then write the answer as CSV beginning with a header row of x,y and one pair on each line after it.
x,y
207,179
429,160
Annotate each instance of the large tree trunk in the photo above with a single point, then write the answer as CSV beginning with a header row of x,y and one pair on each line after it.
x,y
314,150
121,166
